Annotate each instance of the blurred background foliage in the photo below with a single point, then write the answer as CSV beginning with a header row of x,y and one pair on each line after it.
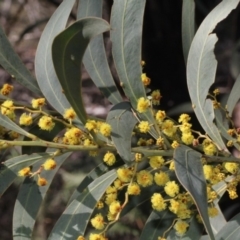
x,y
23,22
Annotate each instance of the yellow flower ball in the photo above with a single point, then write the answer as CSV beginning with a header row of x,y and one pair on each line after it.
x,y
98,221
24,172
46,123
158,202
143,104
156,97
231,167
208,171
133,189
171,188
161,178
181,227
115,207
69,114
38,103
41,182
144,126
208,147
212,211
49,164
109,158
160,116
169,128
187,138
156,161
145,80
124,174
184,118
25,119
144,178
7,108
105,129
6,89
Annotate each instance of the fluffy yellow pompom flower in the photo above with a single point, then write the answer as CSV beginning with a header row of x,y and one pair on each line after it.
x,y
94,236
143,104
187,138
144,178
6,89
7,108
156,97
25,119
146,80
144,126
231,167
41,182
91,125
72,136
185,127
156,161
212,211
158,202
181,227
124,174
168,127
49,164
171,188
98,221
81,238
175,144
133,189
38,103
208,147
161,178
184,118
208,171
24,172
46,123
69,114
160,115
172,166
109,158
105,129
115,207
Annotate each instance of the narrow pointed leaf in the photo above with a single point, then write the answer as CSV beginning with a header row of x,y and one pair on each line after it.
x,y
10,125
95,60
189,171
11,62
201,68
122,121
9,169
231,230
67,52
46,76
234,96
126,36
157,224
74,220
188,25
29,200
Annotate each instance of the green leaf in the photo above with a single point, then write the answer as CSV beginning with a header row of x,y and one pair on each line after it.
x,y
188,26
95,60
234,96
11,62
10,125
201,68
231,230
29,200
9,169
122,121
126,36
157,224
46,76
94,174
75,218
67,52
44,135
189,171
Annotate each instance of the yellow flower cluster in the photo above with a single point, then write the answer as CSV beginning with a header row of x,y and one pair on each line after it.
x,y
69,114
156,162
6,89
169,128
98,221
160,116
73,136
125,174
133,189
144,178
158,202
38,103
143,104
109,158
49,164
7,109
156,97
181,227
25,119
144,126
46,123
24,172
171,188
208,147
145,80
